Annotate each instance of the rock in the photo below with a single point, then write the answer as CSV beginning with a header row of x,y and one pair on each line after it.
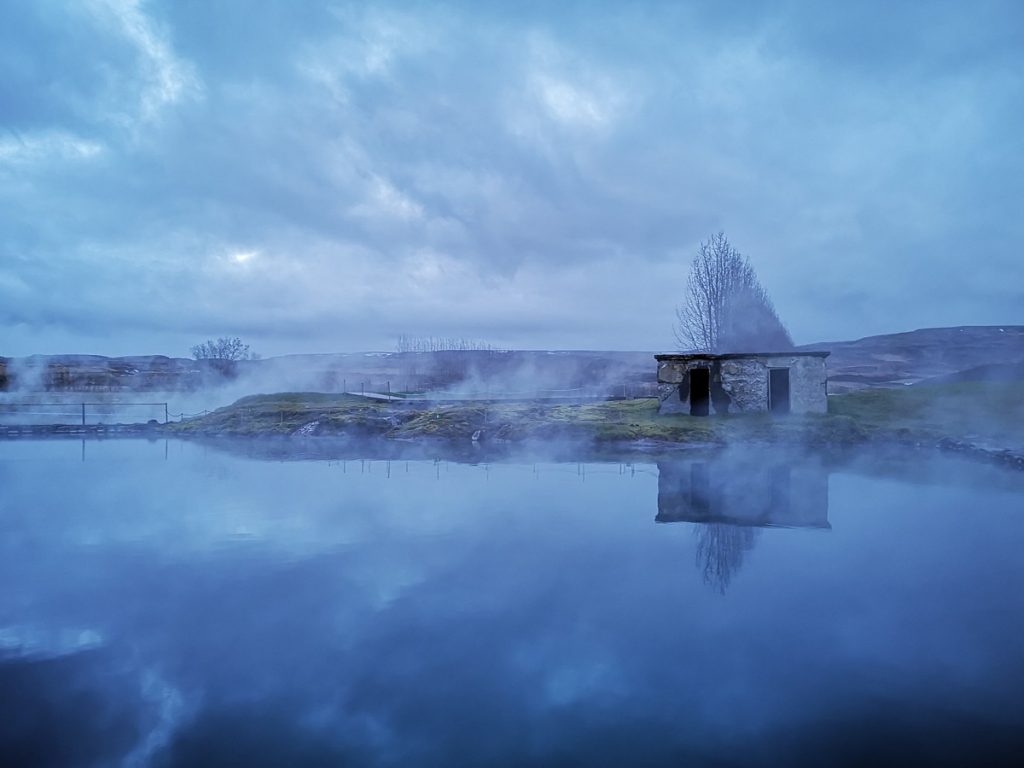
x,y
669,374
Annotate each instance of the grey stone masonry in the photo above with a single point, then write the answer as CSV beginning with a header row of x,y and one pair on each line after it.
x,y
742,383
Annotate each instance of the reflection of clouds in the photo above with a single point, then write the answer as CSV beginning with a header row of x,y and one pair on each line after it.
x,y
171,711
512,616
161,708
81,708
383,608
43,642
580,679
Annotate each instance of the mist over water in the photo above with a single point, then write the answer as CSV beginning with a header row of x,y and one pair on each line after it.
x,y
167,603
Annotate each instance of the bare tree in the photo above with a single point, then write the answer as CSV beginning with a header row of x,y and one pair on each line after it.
x,y
226,349
726,309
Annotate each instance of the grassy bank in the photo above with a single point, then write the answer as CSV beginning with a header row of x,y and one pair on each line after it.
x,y
620,421
987,414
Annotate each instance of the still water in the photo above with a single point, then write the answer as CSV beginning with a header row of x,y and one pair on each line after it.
x,y
175,604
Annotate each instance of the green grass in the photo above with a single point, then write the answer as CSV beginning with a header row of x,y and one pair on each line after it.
x,y
967,410
992,413
283,414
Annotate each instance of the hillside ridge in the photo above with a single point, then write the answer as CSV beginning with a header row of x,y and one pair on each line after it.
x,y
885,360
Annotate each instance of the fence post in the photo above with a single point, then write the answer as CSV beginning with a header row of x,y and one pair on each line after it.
x,y
83,414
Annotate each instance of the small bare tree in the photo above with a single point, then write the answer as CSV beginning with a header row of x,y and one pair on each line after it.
x,y
225,348
224,353
725,308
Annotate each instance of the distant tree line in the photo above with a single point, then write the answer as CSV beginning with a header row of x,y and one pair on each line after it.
x,y
407,343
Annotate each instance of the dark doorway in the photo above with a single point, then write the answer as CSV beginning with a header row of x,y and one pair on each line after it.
x,y
778,390
700,391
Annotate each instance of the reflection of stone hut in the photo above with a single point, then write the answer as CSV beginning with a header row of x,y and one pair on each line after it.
x,y
753,492
732,497
782,382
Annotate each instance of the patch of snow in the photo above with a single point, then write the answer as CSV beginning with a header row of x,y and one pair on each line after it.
x,y
308,429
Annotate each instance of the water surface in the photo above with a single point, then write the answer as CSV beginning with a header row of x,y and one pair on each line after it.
x,y
166,603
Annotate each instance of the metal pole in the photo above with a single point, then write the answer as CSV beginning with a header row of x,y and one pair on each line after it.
x,y
166,414
83,414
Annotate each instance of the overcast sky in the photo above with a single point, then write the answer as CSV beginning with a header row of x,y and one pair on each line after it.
x,y
323,177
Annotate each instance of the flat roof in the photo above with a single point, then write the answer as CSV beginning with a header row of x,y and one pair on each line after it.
x,y
682,356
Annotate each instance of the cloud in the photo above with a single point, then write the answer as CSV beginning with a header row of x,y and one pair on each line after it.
x,y
432,162
38,147
164,79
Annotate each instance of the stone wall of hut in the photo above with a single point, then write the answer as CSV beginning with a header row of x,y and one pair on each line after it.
x,y
739,384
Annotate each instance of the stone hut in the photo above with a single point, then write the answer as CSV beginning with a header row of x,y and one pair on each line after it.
x,y
702,384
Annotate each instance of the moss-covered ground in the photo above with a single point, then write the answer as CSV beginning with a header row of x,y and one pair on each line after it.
x,y
989,413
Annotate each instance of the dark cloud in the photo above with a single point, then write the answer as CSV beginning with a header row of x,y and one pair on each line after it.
x,y
196,169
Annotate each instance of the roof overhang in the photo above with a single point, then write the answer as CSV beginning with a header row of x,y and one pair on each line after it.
x,y
686,357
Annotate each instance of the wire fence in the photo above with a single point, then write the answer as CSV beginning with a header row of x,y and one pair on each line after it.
x,y
182,416
83,412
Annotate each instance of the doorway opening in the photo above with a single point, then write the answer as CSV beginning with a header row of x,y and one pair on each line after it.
x,y
778,390
700,391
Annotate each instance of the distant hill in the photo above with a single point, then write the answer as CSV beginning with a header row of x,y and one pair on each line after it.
x,y
987,373
892,360
481,371
898,359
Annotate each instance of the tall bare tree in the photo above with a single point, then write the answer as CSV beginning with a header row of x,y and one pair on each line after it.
x,y
726,309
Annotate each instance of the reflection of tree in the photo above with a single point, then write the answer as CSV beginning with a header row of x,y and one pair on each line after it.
x,y
720,550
